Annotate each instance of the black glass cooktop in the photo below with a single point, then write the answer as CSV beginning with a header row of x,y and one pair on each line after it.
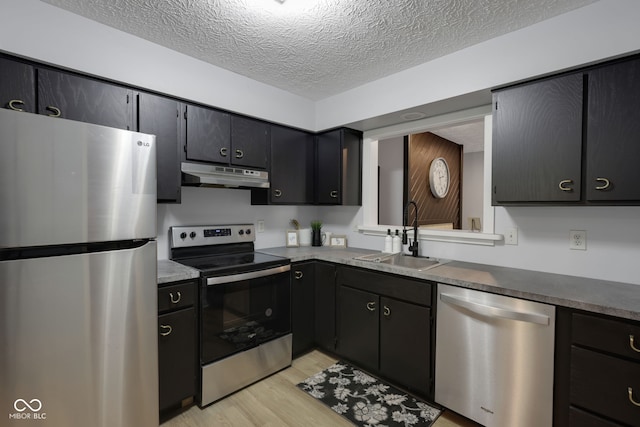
x,y
233,263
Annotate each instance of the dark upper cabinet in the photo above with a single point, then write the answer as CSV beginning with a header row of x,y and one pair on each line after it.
x,y
338,167
208,134
302,306
291,171
249,142
537,142
84,99
160,116
17,86
613,133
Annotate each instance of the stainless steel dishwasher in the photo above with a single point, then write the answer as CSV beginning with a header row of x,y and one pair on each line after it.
x,y
494,358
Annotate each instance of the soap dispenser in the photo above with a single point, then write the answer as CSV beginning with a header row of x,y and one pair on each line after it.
x,y
396,243
388,242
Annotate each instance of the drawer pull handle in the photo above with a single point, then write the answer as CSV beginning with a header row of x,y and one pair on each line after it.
x,y
371,306
605,183
239,154
15,105
298,274
563,185
277,193
176,300
169,329
55,112
223,152
631,397
632,345
387,311
333,194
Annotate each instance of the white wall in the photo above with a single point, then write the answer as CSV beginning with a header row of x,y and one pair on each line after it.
x,y
391,162
472,187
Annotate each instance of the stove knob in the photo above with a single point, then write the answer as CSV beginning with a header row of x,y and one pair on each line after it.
x,y
183,235
192,234
248,231
241,232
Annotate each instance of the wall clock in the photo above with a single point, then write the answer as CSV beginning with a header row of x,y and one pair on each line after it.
x,y
439,178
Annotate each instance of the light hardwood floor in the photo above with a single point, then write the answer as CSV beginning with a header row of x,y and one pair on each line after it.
x,y
277,402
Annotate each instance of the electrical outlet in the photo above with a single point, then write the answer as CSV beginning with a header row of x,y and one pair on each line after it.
x,y
511,236
260,225
578,240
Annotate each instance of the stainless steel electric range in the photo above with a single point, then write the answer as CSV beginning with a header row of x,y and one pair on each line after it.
x,y
244,306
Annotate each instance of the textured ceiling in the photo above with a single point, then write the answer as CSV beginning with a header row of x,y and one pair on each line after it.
x,y
317,48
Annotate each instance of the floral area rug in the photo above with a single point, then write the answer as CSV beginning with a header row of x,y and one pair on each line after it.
x,y
367,401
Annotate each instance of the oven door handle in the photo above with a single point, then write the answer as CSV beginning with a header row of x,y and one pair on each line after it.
x,y
247,276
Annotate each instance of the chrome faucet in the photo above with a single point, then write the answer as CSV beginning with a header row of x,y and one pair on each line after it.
x,y
413,247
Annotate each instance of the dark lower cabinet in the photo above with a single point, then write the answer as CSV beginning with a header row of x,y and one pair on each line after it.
x,y
302,306
17,86
325,305
73,97
385,325
597,371
177,357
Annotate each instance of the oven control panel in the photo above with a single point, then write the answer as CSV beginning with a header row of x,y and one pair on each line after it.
x,y
201,235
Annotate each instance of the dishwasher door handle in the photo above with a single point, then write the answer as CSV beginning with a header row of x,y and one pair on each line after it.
x,y
491,311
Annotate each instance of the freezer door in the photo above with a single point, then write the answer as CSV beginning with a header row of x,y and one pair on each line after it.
x,y
63,181
79,341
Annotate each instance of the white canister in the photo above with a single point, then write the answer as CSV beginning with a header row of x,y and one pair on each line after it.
x,y
304,236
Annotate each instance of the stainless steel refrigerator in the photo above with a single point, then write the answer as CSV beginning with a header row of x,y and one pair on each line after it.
x,y
78,293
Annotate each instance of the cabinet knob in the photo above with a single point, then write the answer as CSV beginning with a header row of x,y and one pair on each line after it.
x,y
605,184
175,300
223,151
563,185
298,274
632,345
631,399
277,193
15,104
55,112
239,154
167,328
371,306
386,311
334,194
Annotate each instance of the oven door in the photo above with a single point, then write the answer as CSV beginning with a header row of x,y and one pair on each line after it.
x,y
243,310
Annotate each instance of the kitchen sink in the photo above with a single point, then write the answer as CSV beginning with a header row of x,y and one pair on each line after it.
x,y
403,260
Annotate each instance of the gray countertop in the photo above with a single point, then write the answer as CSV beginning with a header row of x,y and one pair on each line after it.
x,y
598,296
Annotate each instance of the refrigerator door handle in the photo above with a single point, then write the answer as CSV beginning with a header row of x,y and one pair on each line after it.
x,y
492,311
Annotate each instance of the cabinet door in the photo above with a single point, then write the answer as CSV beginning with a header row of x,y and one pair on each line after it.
x,y
325,305
208,135
83,99
176,356
302,306
160,116
328,170
249,142
613,133
537,142
291,166
358,326
17,86
405,344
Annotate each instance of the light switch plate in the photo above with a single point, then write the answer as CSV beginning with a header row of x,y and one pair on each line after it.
x,y
260,226
511,236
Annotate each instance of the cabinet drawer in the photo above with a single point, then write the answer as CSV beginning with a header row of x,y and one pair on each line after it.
x,y
579,418
613,336
391,285
177,296
603,384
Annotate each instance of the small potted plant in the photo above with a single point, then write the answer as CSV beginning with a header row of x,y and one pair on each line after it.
x,y
316,233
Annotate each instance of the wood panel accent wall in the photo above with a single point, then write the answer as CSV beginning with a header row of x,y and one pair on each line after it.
x,y
420,150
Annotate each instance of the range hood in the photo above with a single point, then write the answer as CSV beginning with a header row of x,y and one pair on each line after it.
x,y
203,175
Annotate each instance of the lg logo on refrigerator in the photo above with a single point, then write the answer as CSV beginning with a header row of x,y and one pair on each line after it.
x,y
143,144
